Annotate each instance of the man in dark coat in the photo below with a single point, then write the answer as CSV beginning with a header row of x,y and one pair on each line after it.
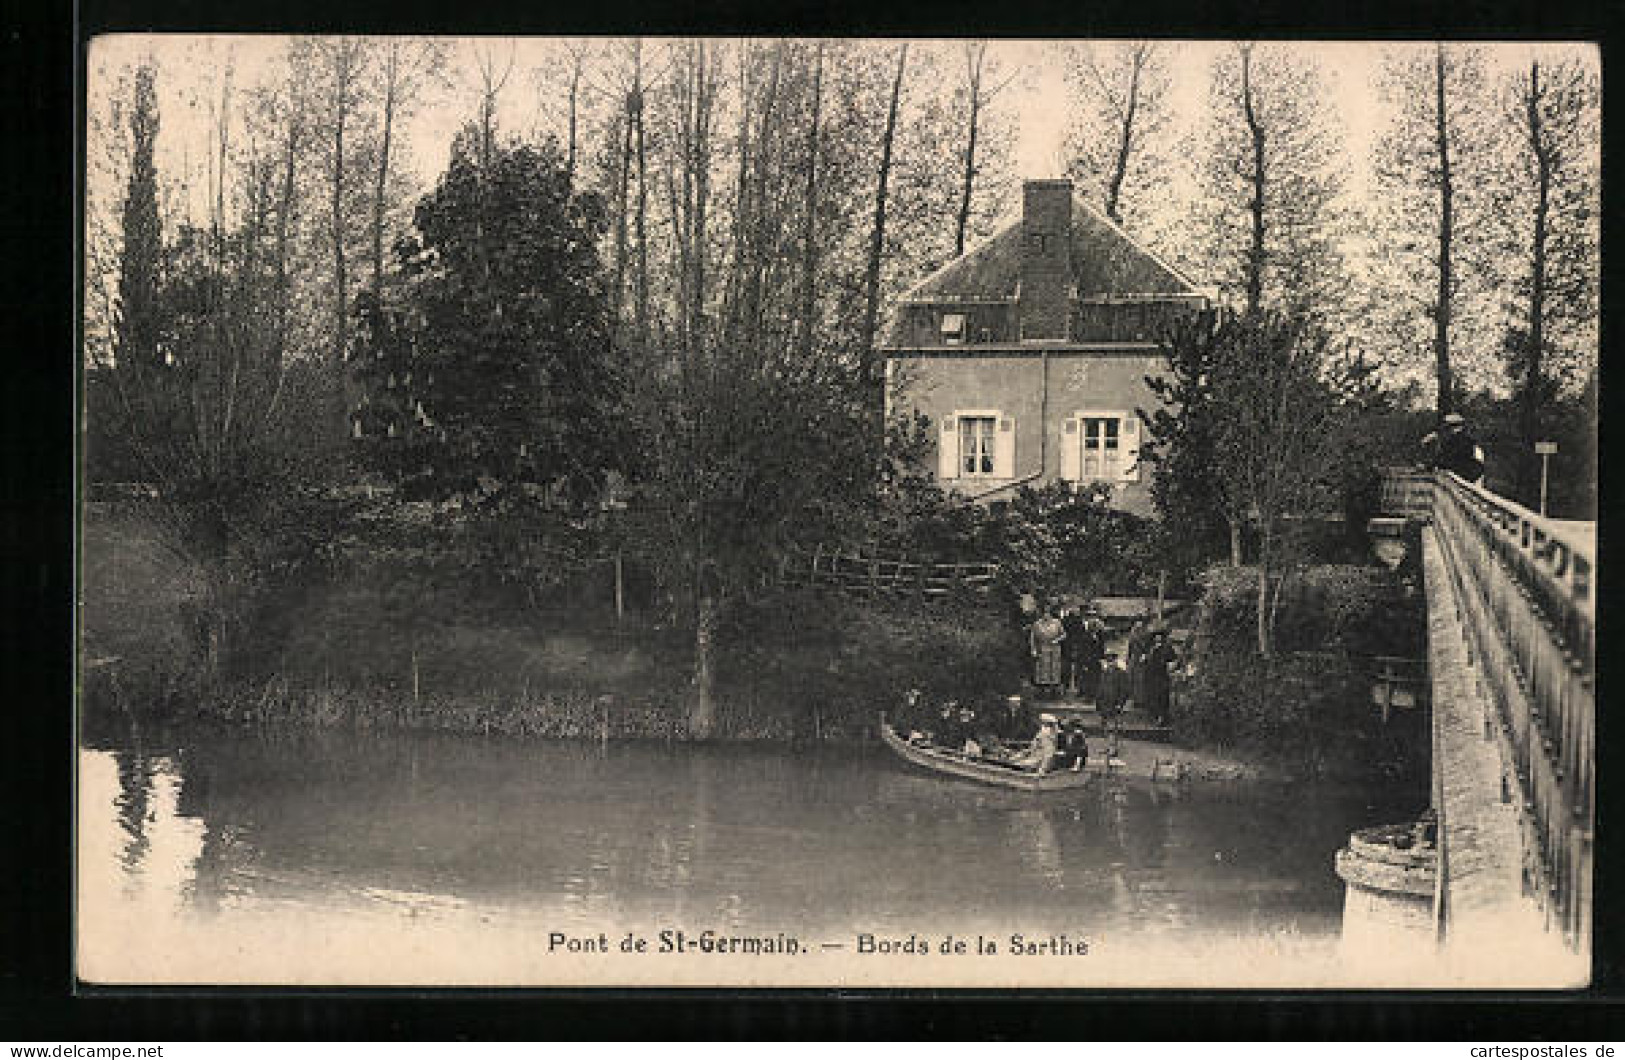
x,y
1074,648
1091,654
1139,638
1115,690
1159,657
1455,449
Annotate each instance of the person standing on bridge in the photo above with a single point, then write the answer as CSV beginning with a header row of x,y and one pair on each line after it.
x,y
1453,448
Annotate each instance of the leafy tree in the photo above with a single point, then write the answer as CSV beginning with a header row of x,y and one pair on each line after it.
x,y
749,456
1253,432
1180,439
488,377
1055,540
235,441
342,65
1276,439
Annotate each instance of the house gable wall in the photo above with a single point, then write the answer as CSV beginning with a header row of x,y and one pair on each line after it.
x,y
1062,286
1012,381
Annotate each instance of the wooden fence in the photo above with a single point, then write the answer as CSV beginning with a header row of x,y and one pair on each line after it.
x,y
1526,586
876,574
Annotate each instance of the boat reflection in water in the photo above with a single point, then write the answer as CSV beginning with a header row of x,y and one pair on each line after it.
x,y
220,837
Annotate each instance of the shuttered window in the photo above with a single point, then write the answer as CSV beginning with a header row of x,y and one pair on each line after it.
x,y
976,444
1101,445
1101,449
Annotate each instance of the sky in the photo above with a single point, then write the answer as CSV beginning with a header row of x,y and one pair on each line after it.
x,y
190,65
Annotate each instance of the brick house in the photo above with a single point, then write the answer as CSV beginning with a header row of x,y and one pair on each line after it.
x,y
1030,352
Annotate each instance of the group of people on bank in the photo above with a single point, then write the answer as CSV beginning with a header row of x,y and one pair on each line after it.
x,y
1070,655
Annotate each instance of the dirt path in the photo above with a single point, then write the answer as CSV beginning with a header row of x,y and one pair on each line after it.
x,y
1147,760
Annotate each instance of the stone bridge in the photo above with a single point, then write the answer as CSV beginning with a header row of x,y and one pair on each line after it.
x,y
1493,886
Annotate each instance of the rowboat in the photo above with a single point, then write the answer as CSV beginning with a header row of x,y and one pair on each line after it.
x,y
956,764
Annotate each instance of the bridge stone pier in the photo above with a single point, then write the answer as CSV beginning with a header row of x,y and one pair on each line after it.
x,y
1493,885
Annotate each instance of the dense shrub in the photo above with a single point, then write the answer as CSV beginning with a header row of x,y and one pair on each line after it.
x,y
832,663
1046,540
1309,705
1310,712
1331,607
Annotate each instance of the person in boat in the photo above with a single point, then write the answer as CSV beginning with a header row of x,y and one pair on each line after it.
x,y
1016,721
915,719
1063,745
970,731
1080,747
946,731
1074,748
1040,754
1044,645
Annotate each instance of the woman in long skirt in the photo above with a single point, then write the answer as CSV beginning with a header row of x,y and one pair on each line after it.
x,y
1044,642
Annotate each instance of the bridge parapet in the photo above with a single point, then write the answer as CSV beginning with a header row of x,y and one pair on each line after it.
x,y
1526,594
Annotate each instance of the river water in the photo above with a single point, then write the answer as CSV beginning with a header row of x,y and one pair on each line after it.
x,y
229,857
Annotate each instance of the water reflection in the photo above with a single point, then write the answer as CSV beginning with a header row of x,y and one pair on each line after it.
x,y
431,828
134,806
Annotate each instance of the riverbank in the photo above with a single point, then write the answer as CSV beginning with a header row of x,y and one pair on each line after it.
x,y
374,643
374,646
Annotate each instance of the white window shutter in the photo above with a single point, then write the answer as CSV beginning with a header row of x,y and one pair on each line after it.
x,y
1128,440
1071,450
948,448
1004,448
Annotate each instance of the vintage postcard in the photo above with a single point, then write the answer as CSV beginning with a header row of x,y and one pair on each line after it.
x,y
837,512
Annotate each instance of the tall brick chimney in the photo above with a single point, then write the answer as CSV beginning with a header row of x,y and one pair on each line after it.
x,y
1046,274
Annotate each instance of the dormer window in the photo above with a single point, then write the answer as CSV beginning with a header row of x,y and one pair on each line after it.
x,y
953,328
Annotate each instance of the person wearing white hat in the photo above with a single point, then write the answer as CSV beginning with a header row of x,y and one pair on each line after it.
x,y
1040,754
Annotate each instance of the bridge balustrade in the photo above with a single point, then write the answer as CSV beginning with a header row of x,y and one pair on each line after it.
x,y
1527,593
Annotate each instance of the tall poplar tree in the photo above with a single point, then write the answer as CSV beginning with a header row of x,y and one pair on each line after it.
x,y
1430,174
1119,96
138,326
1548,202
1270,183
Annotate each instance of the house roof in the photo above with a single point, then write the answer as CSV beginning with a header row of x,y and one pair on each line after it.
x,y
1105,261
